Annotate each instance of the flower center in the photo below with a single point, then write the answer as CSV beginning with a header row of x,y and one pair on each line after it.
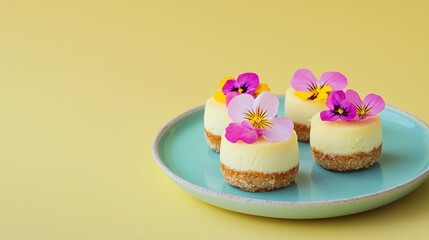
x,y
339,111
258,118
240,89
362,111
315,93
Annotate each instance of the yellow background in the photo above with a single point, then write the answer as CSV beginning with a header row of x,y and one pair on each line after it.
x,y
85,86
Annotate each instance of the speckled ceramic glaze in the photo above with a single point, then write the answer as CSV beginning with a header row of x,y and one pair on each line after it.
x,y
182,153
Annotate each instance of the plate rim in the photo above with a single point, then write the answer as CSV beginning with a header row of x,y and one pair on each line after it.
x,y
247,200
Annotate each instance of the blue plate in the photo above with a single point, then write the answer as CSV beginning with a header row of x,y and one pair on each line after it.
x,y
181,151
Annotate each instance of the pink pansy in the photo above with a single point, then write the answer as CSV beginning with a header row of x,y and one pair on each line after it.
x,y
307,87
257,117
241,131
339,108
245,83
371,105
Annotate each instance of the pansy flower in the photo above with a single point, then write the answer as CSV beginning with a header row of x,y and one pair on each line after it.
x,y
257,117
371,105
339,108
246,83
307,87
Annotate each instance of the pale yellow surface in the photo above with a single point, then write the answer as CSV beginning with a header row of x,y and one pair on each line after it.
x,y
301,111
345,137
85,86
260,156
216,116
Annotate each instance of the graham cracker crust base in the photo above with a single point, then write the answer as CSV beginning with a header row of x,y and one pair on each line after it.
x,y
212,140
253,181
303,132
342,163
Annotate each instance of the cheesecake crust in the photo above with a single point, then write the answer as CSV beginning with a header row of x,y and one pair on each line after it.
x,y
342,163
303,131
254,181
212,140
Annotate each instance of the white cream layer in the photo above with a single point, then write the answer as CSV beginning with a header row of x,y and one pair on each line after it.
x,y
301,111
345,137
261,156
216,117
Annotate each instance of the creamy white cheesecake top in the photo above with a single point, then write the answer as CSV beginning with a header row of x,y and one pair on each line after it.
x,y
345,137
216,117
260,156
301,111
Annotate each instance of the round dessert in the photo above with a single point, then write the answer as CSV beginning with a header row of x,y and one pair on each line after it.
x,y
260,166
307,97
215,121
346,145
259,150
300,112
215,112
347,136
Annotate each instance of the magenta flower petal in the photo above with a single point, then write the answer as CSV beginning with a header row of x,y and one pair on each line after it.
x,y
328,115
248,82
353,97
280,129
229,96
239,106
229,86
335,98
375,104
335,80
267,102
241,131
303,80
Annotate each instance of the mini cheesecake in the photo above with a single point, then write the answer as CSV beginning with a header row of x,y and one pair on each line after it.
x,y
215,121
346,145
260,166
300,112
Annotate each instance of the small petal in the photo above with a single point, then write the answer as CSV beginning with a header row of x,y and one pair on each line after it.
x,y
219,97
261,88
249,80
303,80
335,80
375,104
280,129
229,86
241,131
239,106
267,102
353,97
229,96
328,115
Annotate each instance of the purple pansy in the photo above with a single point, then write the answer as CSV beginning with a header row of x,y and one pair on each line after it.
x,y
257,117
371,105
245,83
339,108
